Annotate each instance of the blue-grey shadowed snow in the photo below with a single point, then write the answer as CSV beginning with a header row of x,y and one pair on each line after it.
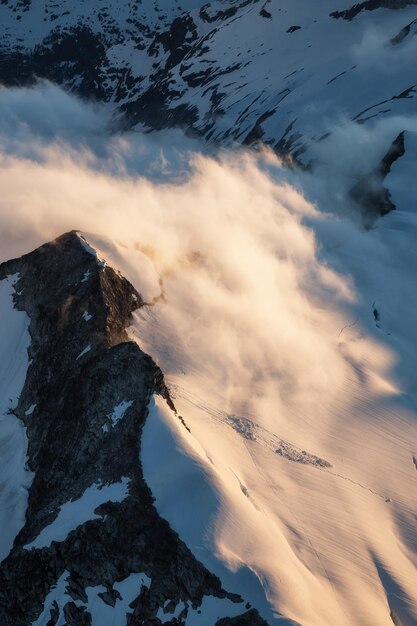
x,y
33,119
398,602
76,512
15,478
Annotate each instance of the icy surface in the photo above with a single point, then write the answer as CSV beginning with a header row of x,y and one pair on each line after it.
x,y
287,337
76,512
297,401
116,415
175,468
213,609
301,426
209,612
86,276
269,79
15,479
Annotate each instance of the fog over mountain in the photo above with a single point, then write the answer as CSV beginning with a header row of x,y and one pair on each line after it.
x,y
207,313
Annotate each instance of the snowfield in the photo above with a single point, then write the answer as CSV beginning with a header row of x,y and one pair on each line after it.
x,y
286,335
175,468
282,72
302,422
15,478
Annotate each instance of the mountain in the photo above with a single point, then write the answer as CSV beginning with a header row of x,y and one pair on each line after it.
x,y
207,393
84,543
248,71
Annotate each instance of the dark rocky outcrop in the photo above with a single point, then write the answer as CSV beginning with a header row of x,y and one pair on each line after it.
x,y
213,14
370,193
69,450
76,56
403,34
250,618
371,5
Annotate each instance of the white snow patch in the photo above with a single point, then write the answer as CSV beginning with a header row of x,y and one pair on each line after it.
x,y
86,276
86,316
56,594
76,512
85,351
30,409
209,612
129,589
212,609
15,479
101,613
117,414
119,411
164,616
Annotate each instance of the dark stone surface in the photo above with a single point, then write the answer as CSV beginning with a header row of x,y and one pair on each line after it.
x,y
61,58
371,5
370,193
250,618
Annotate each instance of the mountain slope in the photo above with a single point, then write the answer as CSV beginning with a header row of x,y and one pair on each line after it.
x,y
92,549
275,457
284,73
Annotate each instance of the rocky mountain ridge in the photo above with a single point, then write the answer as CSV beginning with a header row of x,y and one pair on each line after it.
x,y
84,404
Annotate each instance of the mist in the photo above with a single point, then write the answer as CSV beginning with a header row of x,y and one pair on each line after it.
x,y
261,286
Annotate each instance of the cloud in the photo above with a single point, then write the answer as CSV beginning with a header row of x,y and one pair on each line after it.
x,y
36,121
227,241
268,314
376,50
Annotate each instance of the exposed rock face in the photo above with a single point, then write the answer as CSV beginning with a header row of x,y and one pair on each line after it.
x,y
370,193
82,367
250,618
371,5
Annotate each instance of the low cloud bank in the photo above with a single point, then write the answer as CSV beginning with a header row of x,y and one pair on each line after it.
x,y
268,313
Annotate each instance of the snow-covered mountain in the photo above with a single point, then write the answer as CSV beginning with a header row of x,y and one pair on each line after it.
x,y
208,398
282,72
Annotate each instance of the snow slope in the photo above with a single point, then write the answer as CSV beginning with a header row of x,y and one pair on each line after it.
x,y
174,466
284,72
15,478
286,334
305,423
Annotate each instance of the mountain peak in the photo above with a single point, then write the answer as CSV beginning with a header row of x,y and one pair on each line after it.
x,y
92,538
